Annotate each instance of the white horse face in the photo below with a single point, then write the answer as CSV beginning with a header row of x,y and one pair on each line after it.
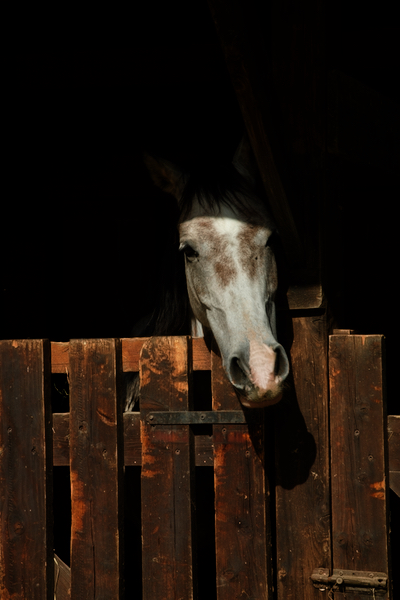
x,y
231,280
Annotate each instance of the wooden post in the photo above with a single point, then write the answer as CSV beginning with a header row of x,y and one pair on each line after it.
x,y
359,467
242,532
96,458
302,465
26,459
167,473
394,452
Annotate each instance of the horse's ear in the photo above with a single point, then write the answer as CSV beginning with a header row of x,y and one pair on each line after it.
x,y
165,175
244,160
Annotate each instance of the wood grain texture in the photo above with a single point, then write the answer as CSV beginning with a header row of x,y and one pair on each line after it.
x,y
131,348
394,442
204,456
242,530
359,454
59,357
167,473
96,459
204,453
302,464
26,447
394,452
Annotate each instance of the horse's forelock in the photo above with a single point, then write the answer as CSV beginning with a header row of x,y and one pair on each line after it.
x,y
217,188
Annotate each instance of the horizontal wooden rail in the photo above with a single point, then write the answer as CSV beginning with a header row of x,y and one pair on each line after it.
x,y
133,449
131,348
203,445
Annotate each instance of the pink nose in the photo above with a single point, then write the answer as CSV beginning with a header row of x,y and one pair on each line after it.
x,y
258,370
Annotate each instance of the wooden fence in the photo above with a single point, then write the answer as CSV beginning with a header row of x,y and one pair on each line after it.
x,y
95,439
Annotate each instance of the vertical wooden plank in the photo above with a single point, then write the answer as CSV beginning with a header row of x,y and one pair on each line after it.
x,y
167,473
26,468
302,464
242,531
359,466
394,452
96,459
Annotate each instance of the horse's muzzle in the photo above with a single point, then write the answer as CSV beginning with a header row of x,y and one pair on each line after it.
x,y
258,373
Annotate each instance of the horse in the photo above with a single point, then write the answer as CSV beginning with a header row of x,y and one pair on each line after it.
x,y
223,275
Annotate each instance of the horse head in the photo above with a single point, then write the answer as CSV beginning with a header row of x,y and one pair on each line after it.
x,y
226,234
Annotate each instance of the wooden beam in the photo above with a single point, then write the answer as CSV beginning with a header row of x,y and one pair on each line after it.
x,y
131,348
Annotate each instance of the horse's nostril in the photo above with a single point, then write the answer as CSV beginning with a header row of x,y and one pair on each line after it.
x,y
277,361
268,366
236,373
281,363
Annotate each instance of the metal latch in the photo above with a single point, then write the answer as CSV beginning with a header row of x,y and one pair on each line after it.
x,y
195,417
350,581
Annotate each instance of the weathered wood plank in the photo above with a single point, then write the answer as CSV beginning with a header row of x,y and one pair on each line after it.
x,y
394,442
59,357
302,464
167,472
394,452
242,531
26,455
96,460
204,456
131,348
358,454
132,442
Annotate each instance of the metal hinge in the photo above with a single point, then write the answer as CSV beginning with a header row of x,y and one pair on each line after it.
x,y
194,417
350,581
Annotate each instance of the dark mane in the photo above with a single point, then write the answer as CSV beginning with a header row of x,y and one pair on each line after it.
x,y
214,187
172,315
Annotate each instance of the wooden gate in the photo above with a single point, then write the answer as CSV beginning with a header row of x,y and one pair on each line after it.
x,y
95,439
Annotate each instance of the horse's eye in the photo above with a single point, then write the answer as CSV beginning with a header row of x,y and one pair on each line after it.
x,y
190,253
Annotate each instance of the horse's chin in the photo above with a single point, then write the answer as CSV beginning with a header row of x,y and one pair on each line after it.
x,y
256,398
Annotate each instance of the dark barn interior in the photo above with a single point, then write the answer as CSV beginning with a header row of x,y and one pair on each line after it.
x,y
84,231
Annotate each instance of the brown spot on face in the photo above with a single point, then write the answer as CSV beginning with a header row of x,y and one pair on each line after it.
x,y
224,264
250,249
225,270
217,248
